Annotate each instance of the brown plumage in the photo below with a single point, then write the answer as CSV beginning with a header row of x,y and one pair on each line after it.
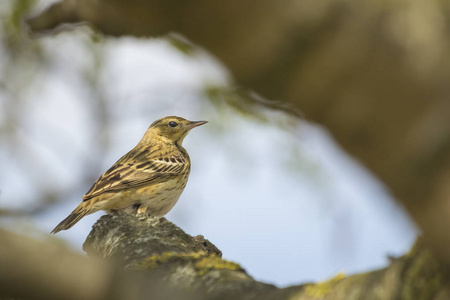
x,y
150,178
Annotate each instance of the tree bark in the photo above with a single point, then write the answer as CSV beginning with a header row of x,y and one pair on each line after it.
x,y
143,257
158,247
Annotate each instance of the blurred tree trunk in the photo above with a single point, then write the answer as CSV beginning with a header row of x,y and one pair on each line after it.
x,y
163,262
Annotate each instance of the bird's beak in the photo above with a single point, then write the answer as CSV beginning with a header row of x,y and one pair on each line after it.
x,y
195,124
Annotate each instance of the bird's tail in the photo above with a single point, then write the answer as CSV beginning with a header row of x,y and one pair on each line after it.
x,y
83,209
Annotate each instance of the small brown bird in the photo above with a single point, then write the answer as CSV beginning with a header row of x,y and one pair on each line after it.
x,y
148,179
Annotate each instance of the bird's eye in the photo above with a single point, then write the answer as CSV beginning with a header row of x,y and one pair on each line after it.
x,y
173,124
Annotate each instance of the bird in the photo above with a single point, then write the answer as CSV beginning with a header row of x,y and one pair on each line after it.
x,y
148,179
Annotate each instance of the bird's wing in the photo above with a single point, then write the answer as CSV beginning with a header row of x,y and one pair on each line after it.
x,y
128,172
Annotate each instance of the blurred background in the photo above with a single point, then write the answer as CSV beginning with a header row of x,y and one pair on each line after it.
x,y
273,192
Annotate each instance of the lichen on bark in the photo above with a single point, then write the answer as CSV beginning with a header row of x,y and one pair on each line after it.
x,y
159,250
154,245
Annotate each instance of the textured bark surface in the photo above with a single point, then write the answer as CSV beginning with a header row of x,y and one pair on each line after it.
x,y
157,247
374,73
138,258
161,249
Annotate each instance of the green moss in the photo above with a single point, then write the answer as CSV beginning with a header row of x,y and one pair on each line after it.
x,y
154,261
321,289
213,262
201,261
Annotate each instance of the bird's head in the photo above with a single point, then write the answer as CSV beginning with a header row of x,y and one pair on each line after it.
x,y
170,129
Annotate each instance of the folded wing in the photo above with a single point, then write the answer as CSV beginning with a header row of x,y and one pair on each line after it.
x,y
128,173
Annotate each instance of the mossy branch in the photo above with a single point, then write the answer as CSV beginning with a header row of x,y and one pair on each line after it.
x,y
138,258
159,249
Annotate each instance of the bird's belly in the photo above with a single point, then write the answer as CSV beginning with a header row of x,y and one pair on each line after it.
x,y
160,201
156,200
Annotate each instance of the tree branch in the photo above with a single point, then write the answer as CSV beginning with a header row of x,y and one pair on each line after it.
x,y
163,262
157,246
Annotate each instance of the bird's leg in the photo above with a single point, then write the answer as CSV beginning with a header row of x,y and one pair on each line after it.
x,y
143,211
135,208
